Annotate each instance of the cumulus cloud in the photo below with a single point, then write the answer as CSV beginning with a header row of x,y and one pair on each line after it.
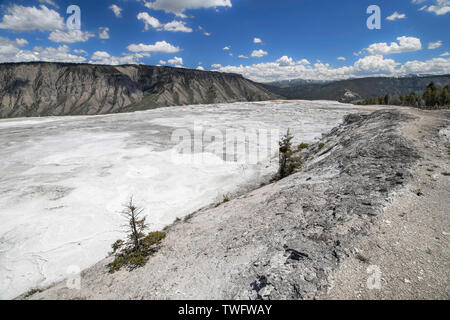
x,y
226,48
176,26
404,44
20,18
257,40
21,42
441,7
285,61
396,16
117,10
178,7
341,58
434,45
173,26
259,53
216,66
10,51
241,56
103,33
50,2
445,54
200,68
70,36
103,57
176,61
159,46
372,65
80,51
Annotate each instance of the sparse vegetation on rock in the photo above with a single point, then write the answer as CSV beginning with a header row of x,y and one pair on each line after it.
x,y
289,162
134,252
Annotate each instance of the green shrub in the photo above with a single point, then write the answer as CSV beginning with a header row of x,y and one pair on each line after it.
x,y
135,252
31,292
302,146
288,162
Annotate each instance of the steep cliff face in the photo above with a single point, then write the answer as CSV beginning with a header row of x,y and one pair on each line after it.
x,y
43,89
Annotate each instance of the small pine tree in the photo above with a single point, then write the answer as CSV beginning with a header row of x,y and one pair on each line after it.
x,y
431,95
288,163
135,252
136,223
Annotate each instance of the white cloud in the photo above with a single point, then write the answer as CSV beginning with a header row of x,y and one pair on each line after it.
x,y
173,26
440,8
80,51
226,48
241,56
162,62
176,61
405,44
149,20
434,45
341,58
207,33
20,18
257,40
117,10
396,16
259,53
21,42
178,7
176,26
103,33
99,55
103,57
445,54
10,52
216,66
50,2
70,36
200,68
433,66
160,46
285,61
374,65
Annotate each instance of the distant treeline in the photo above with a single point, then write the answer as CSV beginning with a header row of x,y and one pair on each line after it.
x,y
432,97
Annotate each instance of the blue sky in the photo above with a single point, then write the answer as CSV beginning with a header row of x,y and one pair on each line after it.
x,y
264,40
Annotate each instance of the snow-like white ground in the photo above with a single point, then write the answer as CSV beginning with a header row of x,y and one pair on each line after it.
x,y
64,180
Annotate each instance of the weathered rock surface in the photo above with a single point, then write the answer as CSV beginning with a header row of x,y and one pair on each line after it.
x,y
282,241
53,89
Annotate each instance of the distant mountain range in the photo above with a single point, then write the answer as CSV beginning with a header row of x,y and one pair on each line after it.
x,y
354,89
53,89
